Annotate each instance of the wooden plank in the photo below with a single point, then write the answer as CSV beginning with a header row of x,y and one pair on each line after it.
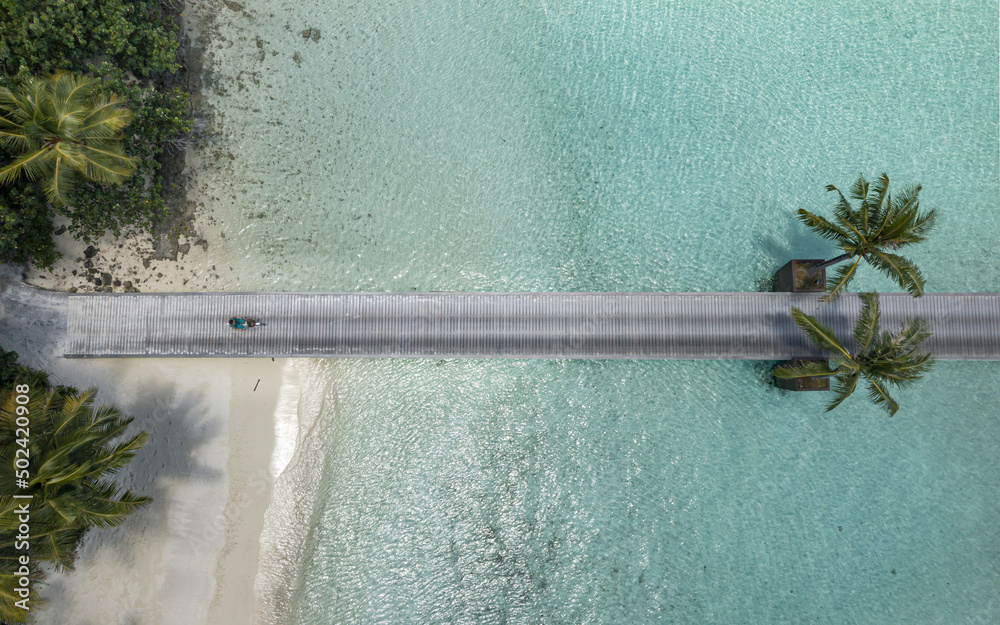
x,y
752,326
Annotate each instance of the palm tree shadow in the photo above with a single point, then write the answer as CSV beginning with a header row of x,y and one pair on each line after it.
x,y
179,422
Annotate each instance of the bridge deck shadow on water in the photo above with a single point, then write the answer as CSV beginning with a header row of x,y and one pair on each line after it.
x,y
751,326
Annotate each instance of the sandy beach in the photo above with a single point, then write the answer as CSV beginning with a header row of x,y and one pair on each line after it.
x,y
191,557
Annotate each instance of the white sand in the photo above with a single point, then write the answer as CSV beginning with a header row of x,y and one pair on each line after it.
x,y
130,260
251,443
192,556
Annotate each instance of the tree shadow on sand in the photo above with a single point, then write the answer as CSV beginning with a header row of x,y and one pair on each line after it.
x,y
180,421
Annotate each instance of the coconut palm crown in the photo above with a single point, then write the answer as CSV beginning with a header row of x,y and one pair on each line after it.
x,y
61,131
74,448
884,359
873,231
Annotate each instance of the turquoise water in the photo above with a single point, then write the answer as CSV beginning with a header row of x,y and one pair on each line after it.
x,y
590,145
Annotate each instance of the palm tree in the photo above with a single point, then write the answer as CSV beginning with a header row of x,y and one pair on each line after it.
x,y
73,449
879,226
60,130
11,608
884,359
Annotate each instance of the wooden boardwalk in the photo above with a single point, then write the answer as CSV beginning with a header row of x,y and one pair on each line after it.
x,y
755,326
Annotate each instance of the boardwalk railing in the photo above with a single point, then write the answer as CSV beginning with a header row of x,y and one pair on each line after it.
x,y
754,326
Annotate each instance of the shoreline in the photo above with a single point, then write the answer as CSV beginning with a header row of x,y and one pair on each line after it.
x,y
174,255
191,557
251,452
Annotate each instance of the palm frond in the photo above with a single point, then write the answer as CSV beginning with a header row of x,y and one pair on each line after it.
x,y
898,358
903,271
64,111
34,165
109,422
11,590
843,385
818,333
38,88
822,227
104,511
60,183
880,397
38,137
73,410
905,200
867,326
59,546
67,508
16,106
921,224
807,369
106,164
852,223
7,98
14,140
903,371
842,201
906,228
120,454
849,219
910,336
105,120
67,120
859,190
841,278
71,88
877,199
842,204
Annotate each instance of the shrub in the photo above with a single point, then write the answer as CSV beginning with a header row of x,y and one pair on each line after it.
x,y
129,38
43,36
26,226
160,116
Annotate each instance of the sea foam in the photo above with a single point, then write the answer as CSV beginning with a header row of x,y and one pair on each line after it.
x,y
286,420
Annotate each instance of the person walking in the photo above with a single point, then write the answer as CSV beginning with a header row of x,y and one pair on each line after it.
x,y
242,323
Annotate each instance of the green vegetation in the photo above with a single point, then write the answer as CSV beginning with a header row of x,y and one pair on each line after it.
x,y
884,359
162,118
129,50
879,226
43,36
26,225
13,373
73,449
62,131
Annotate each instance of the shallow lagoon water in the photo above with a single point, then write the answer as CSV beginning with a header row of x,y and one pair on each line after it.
x,y
614,146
